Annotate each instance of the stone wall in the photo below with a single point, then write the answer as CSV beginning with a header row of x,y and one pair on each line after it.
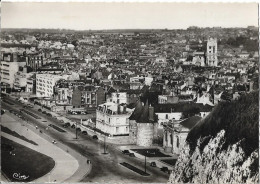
x,y
145,134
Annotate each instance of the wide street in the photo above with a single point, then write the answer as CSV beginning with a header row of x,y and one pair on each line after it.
x,y
105,167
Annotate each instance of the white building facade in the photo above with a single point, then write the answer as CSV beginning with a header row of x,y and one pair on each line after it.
x,y
113,119
45,84
8,71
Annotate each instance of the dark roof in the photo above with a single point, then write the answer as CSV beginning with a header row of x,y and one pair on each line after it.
x,y
131,91
137,112
86,88
131,105
144,117
190,122
181,107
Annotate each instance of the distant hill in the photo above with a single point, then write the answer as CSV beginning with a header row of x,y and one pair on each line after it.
x,y
223,147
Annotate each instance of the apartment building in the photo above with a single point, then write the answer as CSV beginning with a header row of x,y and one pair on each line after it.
x,y
45,84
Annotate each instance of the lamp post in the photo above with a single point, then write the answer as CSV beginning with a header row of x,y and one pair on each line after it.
x,y
76,130
145,162
104,144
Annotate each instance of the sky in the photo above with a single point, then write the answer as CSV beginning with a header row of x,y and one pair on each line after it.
x,y
95,16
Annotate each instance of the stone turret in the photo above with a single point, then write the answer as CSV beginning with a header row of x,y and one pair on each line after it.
x,y
146,127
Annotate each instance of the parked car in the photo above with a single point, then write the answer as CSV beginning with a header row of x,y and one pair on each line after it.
x,y
49,114
164,169
95,137
126,152
66,125
39,110
54,142
85,133
153,164
30,106
131,155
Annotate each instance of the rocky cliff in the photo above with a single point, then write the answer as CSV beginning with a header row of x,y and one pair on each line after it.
x,y
223,147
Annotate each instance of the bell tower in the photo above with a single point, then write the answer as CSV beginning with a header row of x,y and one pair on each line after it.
x,y
212,57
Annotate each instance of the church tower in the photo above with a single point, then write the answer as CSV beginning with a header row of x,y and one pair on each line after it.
x,y
212,51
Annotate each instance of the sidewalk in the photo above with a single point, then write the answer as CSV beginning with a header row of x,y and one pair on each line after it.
x,y
66,166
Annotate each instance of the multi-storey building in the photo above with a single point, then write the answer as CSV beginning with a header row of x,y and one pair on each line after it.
x,y
112,118
119,97
88,96
124,96
9,67
45,84
20,81
175,133
35,61
31,84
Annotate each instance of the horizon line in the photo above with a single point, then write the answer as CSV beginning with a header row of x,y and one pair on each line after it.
x,y
104,29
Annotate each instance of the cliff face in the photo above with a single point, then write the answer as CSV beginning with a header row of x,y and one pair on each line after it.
x,y
222,148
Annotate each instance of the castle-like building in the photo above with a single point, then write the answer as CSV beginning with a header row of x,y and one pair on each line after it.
x,y
143,125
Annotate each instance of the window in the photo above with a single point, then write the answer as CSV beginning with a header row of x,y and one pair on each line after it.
x,y
166,116
126,129
117,129
178,142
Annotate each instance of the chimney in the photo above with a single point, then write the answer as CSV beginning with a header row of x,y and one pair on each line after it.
x,y
151,113
25,69
251,84
124,109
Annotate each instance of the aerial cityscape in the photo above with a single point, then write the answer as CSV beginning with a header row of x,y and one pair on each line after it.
x,y
128,105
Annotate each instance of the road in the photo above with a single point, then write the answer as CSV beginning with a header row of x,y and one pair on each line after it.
x,y
105,167
65,164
